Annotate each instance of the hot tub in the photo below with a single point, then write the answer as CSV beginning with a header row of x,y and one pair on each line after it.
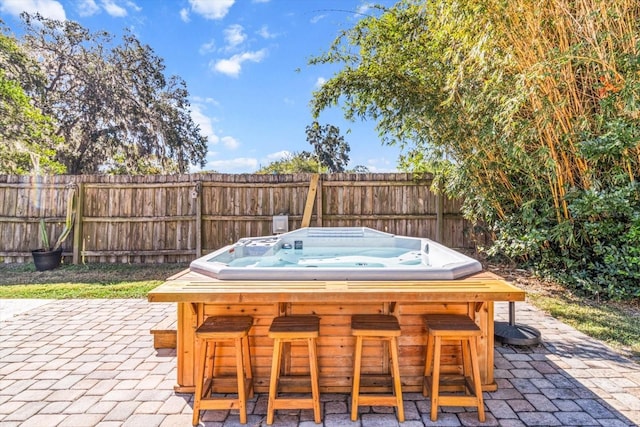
x,y
336,253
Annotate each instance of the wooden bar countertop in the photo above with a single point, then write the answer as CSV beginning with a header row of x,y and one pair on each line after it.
x,y
191,287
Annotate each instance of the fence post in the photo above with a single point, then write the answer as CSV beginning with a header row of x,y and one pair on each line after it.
x,y
440,215
196,194
77,234
319,206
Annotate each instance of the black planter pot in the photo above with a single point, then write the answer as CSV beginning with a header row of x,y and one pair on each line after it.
x,y
47,260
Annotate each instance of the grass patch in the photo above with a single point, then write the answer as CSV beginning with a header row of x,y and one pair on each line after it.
x,y
619,327
84,281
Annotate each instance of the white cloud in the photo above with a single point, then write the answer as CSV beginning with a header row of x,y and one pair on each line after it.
x,y
208,100
278,155
233,65
184,15
237,165
230,142
133,6
234,35
48,8
205,122
265,34
317,18
211,9
88,8
207,47
113,9
381,165
363,8
320,81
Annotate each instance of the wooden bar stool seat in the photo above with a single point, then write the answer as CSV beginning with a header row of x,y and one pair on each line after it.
x,y
452,327
378,327
288,329
214,330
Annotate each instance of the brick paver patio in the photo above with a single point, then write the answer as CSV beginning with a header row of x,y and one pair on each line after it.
x,y
92,363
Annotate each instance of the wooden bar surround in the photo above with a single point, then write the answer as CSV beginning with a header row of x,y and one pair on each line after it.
x,y
199,296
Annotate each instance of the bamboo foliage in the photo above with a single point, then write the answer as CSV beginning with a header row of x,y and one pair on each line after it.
x,y
505,92
568,52
547,80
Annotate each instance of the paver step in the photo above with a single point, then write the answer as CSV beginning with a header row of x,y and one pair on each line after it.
x,y
165,333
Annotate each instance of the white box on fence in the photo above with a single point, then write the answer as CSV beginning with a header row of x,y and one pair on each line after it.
x,y
280,224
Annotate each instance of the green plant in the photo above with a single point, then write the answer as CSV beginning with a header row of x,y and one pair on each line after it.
x,y
68,223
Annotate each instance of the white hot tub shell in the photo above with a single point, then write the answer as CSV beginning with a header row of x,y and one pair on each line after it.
x,y
336,254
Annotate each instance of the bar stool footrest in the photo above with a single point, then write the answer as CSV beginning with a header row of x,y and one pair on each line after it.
x,y
377,400
219,403
293,403
450,400
451,384
226,384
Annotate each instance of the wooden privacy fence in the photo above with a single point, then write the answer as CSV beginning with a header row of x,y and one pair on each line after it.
x,y
180,217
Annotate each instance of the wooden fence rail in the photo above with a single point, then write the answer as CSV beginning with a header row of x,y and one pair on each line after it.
x,y
180,217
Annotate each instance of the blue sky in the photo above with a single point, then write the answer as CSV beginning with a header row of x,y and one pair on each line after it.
x,y
245,64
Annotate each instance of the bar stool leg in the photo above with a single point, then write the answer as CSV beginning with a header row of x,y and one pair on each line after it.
x,y
273,382
397,386
315,388
210,357
201,351
476,377
428,363
247,364
355,393
467,371
242,388
435,383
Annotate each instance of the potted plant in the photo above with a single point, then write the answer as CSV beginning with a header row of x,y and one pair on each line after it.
x,y
49,256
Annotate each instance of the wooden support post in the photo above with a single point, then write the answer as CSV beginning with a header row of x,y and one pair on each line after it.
x,y
311,196
78,232
196,195
319,204
440,216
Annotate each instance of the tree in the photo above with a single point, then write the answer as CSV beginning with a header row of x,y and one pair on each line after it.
x,y
112,104
27,138
359,169
527,110
302,162
329,146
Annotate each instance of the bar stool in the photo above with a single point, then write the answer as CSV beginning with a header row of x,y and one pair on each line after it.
x,y
378,327
216,329
453,327
287,329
